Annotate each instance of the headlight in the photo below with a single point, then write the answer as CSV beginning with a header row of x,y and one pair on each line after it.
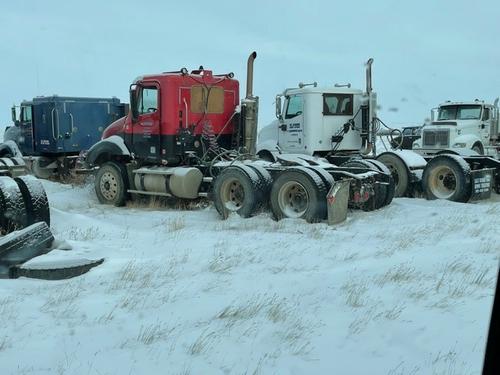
x,y
459,145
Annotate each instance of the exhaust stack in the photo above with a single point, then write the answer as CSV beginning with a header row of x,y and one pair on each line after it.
x,y
369,87
370,114
250,61
250,110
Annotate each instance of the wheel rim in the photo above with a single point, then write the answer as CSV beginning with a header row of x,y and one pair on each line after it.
x,y
293,199
109,186
232,194
477,149
443,182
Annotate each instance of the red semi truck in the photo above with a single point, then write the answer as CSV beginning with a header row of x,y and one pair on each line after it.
x,y
187,135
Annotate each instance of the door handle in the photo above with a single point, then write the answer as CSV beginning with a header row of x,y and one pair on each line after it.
x,y
72,124
54,120
283,127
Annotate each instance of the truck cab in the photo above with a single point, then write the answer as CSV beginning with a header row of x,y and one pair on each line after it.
x,y
461,127
316,121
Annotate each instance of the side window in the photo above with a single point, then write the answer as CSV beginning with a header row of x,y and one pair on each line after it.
x,y
337,104
486,114
26,114
148,100
407,132
295,106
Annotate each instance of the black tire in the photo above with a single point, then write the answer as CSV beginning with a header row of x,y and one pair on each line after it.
x,y
265,183
19,247
299,193
447,177
111,184
378,200
399,172
391,188
12,209
35,200
237,189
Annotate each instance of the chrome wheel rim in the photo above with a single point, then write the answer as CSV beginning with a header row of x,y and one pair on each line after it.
x,y
109,186
293,199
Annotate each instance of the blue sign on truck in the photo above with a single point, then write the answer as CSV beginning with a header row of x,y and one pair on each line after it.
x,y
53,130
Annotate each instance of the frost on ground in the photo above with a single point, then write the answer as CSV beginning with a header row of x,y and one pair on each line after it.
x,y
403,290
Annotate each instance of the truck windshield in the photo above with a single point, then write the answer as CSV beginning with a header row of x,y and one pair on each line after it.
x,y
459,112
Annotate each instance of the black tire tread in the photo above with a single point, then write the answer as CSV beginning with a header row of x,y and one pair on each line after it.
x,y
35,199
12,208
320,211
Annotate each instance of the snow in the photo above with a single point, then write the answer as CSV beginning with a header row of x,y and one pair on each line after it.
x,y
403,290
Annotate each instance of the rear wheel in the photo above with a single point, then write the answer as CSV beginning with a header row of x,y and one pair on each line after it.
x,y
35,199
299,193
380,193
399,172
111,184
445,177
391,188
236,189
12,208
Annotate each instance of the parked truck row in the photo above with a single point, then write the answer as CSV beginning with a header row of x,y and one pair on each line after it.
x,y
188,135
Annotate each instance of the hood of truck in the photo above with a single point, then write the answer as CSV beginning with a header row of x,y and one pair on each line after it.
x,y
115,128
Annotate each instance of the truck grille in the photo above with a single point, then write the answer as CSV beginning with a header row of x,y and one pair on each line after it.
x,y
436,138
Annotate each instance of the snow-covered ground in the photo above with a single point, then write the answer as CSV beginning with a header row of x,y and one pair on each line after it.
x,y
403,290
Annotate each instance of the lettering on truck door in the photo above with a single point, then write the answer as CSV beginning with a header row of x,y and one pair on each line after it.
x,y
291,134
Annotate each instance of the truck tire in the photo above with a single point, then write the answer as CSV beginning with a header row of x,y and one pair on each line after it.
x,y
23,245
265,183
111,184
381,193
12,209
447,177
399,172
391,188
237,189
299,193
35,199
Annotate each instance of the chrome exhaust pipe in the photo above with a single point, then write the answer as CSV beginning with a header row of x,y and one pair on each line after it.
x,y
250,61
369,87
250,108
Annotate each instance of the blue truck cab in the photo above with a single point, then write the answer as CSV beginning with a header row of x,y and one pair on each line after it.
x,y
51,131
58,125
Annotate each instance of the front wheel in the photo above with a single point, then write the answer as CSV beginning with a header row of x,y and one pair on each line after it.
x,y
447,177
111,184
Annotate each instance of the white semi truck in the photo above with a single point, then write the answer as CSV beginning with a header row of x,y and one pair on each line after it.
x,y
462,126
339,123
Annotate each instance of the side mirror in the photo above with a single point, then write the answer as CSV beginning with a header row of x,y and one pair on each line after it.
x,y
133,102
14,116
278,107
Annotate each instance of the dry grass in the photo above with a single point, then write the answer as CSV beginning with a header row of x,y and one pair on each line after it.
x,y
355,293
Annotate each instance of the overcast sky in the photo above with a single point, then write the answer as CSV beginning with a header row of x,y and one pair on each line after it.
x,y
425,52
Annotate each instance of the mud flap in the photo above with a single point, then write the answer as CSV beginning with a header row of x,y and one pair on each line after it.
x,y
54,270
482,183
337,201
